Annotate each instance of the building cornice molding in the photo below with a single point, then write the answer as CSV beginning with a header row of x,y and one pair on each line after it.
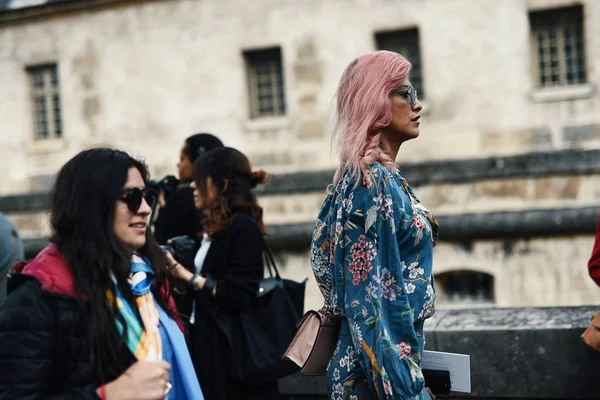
x,y
28,14
461,228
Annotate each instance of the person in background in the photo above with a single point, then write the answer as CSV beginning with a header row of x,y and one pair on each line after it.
x,y
372,247
177,215
594,263
91,316
228,267
11,252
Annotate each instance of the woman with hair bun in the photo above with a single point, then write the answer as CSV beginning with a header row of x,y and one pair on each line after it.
x,y
229,267
373,240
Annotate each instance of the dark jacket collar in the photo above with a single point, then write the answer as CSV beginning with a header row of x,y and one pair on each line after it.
x,y
51,270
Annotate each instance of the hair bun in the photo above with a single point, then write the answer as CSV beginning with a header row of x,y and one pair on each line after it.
x,y
259,177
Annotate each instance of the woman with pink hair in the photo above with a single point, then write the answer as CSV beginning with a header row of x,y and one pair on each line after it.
x,y
372,244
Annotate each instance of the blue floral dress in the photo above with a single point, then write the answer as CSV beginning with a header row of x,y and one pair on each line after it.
x,y
372,244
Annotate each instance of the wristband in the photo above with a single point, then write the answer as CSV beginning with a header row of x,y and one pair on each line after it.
x,y
191,281
209,285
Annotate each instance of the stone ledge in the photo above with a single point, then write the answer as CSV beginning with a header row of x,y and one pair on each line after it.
x,y
27,202
467,227
565,162
521,353
540,164
509,225
515,353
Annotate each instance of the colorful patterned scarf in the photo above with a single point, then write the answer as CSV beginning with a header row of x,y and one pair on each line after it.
x,y
144,342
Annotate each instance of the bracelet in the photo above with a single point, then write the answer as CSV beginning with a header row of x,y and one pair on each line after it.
x,y
172,267
209,285
191,281
102,392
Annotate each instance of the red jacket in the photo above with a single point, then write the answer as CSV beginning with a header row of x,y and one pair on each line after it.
x,y
51,270
594,264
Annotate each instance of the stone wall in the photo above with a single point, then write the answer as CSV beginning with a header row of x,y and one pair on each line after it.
x,y
143,75
531,353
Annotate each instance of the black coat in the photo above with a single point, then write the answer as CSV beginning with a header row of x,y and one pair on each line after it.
x,y
235,262
45,350
179,217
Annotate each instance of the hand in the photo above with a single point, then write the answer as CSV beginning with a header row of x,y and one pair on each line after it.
x,y
176,269
430,393
144,380
161,198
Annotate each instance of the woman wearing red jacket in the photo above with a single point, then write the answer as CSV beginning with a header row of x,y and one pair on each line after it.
x,y
594,263
91,316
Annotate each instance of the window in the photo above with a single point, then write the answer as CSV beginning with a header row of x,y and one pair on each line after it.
x,y
460,287
46,101
265,82
405,42
557,37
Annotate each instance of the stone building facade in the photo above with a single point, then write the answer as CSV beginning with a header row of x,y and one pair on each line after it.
x,y
498,80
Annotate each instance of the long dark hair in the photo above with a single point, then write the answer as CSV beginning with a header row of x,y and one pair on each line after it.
x,y
234,180
83,205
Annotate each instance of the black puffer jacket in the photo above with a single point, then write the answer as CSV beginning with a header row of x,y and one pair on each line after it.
x,y
45,350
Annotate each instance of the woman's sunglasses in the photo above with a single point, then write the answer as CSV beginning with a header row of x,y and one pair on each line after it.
x,y
408,92
133,198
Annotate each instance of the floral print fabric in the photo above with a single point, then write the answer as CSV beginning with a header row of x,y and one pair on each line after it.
x,y
372,244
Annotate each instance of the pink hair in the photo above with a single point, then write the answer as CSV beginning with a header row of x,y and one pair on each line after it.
x,y
364,107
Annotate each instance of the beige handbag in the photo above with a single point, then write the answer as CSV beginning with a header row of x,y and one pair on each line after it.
x,y
591,336
317,336
314,343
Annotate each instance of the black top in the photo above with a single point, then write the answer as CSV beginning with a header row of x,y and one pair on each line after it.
x,y
179,217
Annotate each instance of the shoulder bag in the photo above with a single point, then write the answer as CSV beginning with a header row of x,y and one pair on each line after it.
x,y
316,339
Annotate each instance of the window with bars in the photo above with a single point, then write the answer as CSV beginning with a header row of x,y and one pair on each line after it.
x,y
265,82
406,43
46,101
457,287
559,55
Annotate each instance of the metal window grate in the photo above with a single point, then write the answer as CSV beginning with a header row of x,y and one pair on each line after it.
x,y
406,43
46,101
558,38
265,82
465,287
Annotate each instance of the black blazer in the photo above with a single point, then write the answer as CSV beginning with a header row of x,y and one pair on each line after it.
x,y
235,262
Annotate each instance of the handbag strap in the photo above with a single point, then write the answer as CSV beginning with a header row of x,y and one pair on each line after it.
x,y
328,295
269,259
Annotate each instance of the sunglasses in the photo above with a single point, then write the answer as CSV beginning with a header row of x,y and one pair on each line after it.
x,y
408,92
133,198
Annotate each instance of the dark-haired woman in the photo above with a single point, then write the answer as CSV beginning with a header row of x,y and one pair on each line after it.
x,y
177,214
91,316
228,267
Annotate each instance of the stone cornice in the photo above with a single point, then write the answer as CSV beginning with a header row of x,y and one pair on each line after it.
x,y
539,164
25,14
531,165
464,228
503,225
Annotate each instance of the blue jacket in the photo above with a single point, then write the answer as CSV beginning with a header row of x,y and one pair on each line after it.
x,y
11,252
